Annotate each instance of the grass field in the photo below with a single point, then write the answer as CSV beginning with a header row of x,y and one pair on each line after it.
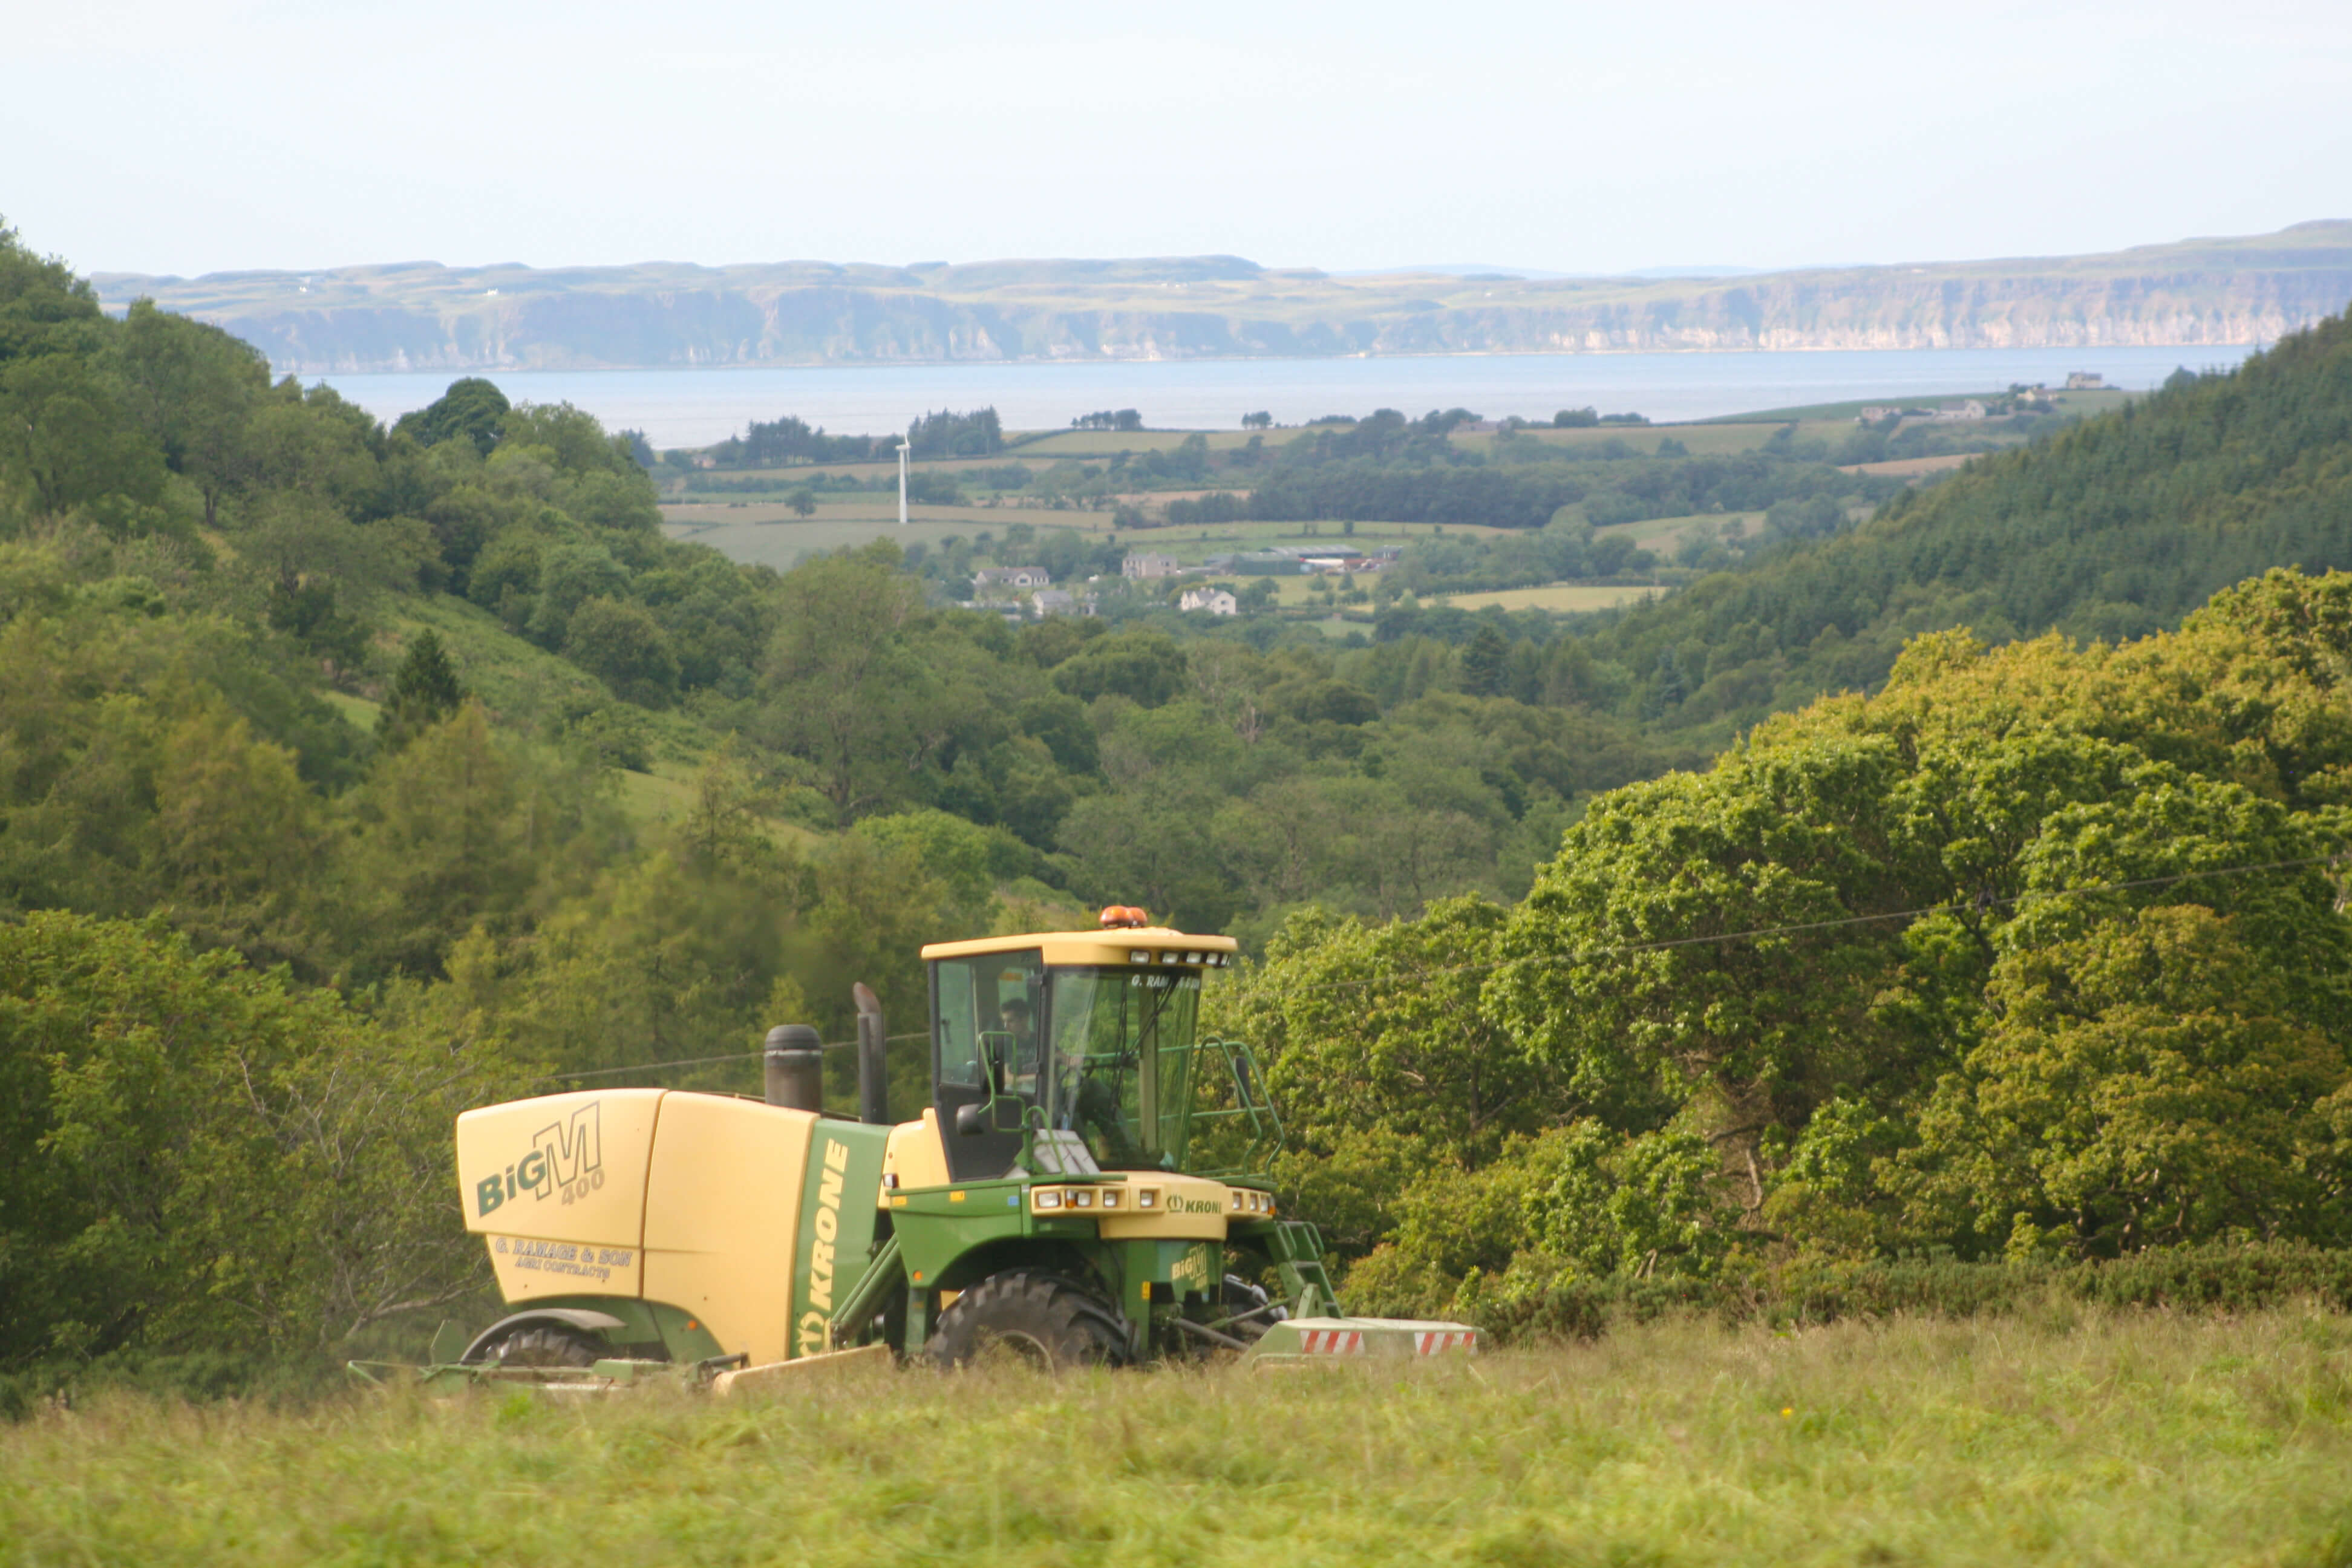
x,y
2140,1438
1108,443
768,532
1193,543
1561,598
1702,440
1662,534
875,511
2079,403
1090,445
360,712
769,535
1911,467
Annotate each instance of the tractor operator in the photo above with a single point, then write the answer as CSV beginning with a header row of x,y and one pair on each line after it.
x,y
1089,1105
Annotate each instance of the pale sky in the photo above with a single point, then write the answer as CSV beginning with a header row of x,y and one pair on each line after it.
x,y
188,136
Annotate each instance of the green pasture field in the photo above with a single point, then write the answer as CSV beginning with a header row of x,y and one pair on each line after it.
x,y
767,533
798,473
1912,468
1291,593
875,511
1192,545
361,713
1663,533
2137,1438
1844,412
782,542
1110,443
1711,440
1562,598
2078,403
1337,626
668,795
655,796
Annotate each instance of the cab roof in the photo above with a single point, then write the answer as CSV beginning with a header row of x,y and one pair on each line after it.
x,y
1118,945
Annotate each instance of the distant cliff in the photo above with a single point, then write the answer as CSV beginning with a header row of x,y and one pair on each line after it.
x,y
424,316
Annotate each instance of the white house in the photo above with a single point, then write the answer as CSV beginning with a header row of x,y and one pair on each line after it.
x,y
1144,564
1217,601
1017,577
2086,381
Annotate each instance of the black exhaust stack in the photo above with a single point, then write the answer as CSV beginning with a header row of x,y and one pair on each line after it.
x,y
795,1064
873,1064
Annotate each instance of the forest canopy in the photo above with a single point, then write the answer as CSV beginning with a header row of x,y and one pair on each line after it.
x,y
2038,953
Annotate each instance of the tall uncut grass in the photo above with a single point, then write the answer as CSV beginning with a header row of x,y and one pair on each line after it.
x,y
2129,1437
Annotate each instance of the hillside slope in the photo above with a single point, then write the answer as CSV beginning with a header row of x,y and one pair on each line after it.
x,y
421,315
2117,527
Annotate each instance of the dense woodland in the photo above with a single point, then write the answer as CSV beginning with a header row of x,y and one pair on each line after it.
x,y
2038,953
350,775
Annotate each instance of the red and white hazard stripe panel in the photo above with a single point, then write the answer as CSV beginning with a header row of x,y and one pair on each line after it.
x,y
1429,1341
1331,1341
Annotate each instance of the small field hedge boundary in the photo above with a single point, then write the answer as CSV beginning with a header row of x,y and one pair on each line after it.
x,y
1526,1305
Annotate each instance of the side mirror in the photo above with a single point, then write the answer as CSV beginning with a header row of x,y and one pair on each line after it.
x,y
971,1120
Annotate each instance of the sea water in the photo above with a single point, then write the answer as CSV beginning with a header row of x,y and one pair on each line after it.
x,y
696,407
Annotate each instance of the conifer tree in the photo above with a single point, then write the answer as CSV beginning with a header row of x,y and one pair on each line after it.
x,y
426,691
1482,663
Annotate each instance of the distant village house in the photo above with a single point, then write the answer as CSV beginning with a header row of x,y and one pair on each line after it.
x,y
1042,602
1018,577
1217,601
2086,381
1143,565
1971,409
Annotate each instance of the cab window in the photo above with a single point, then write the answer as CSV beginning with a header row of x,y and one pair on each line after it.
x,y
995,997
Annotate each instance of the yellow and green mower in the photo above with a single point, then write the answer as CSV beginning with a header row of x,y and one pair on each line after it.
x,y
1086,1187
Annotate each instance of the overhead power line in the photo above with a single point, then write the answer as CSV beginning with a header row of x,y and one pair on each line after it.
x,y
1622,949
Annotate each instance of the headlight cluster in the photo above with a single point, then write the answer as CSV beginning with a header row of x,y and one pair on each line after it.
x,y
1088,1200
1120,1199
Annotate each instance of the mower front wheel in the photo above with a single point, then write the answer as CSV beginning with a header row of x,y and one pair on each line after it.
x,y
1048,1321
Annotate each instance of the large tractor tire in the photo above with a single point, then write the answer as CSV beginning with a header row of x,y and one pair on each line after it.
x,y
543,1345
1048,1321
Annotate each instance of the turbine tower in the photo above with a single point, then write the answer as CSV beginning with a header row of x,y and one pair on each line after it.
x,y
902,484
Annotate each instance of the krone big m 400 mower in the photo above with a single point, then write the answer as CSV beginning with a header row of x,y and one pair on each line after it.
x,y
1083,1188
